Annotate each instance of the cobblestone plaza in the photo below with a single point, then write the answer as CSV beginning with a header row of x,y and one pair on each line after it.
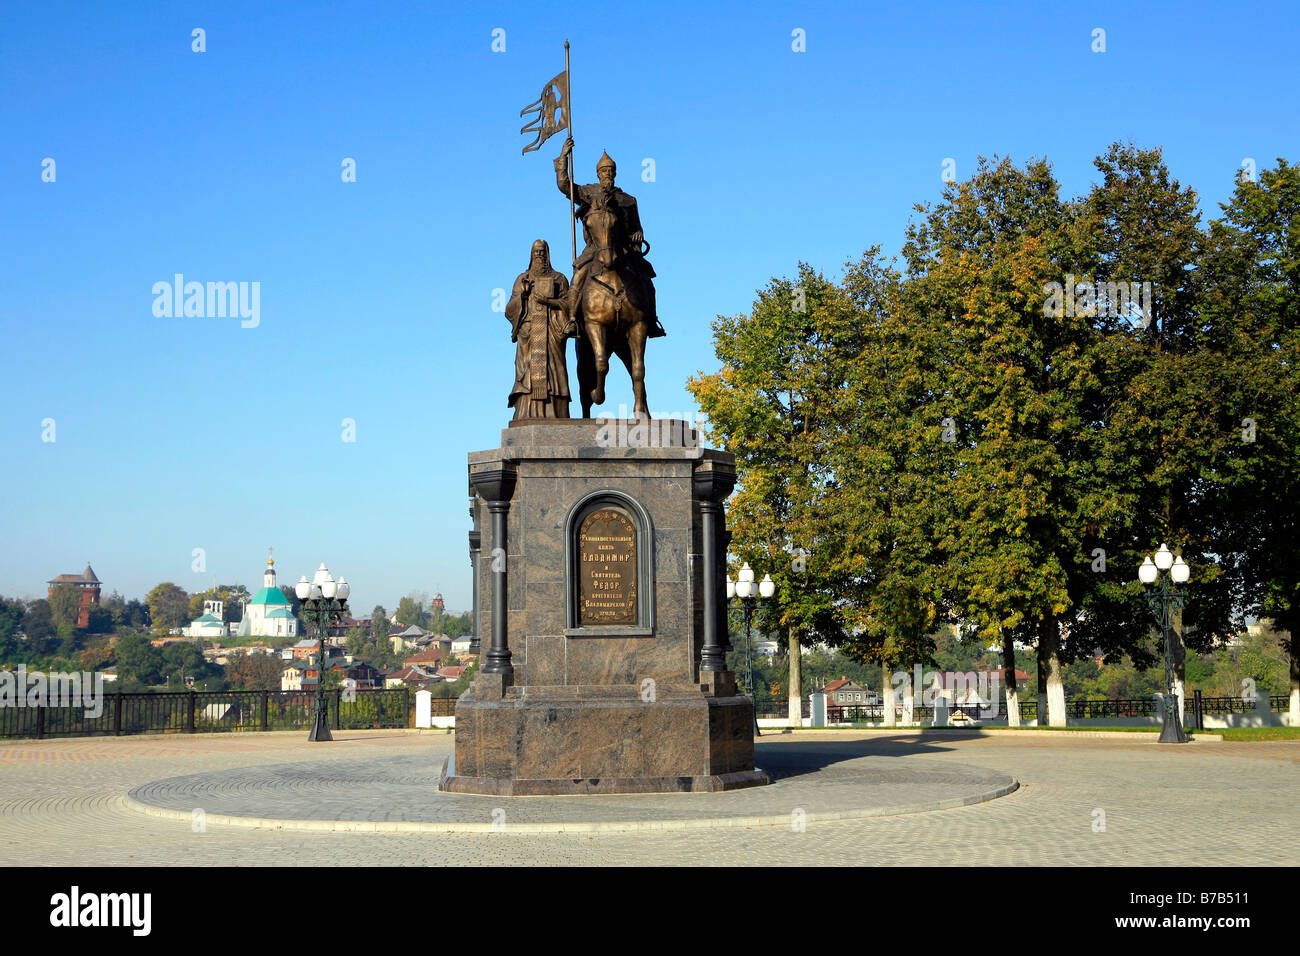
x,y
1080,800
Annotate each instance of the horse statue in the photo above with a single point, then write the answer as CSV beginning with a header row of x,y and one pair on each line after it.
x,y
614,320
612,294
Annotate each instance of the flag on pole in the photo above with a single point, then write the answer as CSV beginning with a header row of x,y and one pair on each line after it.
x,y
552,110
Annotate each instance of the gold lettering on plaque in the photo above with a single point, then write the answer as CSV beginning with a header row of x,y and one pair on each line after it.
x,y
606,568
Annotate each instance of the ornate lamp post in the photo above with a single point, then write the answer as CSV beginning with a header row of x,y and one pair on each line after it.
x,y
324,601
745,589
1164,601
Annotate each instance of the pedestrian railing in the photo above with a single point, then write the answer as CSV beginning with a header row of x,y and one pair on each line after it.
x,y
778,708
1077,709
217,711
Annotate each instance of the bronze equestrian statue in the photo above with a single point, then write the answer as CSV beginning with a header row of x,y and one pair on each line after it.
x,y
612,297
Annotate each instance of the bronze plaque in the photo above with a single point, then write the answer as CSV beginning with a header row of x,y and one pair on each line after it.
x,y
606,568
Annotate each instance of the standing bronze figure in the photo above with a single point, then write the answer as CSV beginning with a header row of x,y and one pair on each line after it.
x,y
540,326
613,293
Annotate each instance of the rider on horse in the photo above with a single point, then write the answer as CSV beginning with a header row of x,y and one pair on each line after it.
x,y
628,251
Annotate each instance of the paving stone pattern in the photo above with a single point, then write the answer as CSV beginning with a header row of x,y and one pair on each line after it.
x,y
63,803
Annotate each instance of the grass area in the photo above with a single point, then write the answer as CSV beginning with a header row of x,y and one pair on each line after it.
x,y
232,642
969,729
1258,733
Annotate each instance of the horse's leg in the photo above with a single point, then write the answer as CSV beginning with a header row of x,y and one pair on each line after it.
x,y
600,356
618,345
636,337
586,370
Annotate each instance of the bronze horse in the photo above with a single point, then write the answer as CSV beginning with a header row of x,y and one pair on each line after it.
x,y
613,318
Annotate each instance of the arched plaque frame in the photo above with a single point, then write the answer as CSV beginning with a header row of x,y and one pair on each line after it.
x,y
645,566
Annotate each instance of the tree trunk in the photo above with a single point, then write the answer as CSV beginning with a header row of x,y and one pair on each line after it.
x,y
887,696
1295,681
796,678
1009,675
1180,666
1050,655
1041,709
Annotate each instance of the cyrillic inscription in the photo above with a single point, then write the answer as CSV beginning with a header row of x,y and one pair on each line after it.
x,y
607,568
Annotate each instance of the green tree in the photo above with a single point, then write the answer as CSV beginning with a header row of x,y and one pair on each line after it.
x,y
184,659
99,620
457,625
357,641
11,618
254,671
65,604
379,626
169,606
1252,268
38,626
138,660
776,404
1017,398
413,609
131,615
1166,436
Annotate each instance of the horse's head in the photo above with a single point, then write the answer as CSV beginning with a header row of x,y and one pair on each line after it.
x,y
601,223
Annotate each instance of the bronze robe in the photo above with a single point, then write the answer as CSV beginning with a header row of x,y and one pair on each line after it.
x,y
541,376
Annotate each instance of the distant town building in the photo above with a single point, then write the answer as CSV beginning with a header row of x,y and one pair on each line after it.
x,y
269,613
415,677
89,586
364,675
305,649
413,636
845,691
211,623
430,657
291,677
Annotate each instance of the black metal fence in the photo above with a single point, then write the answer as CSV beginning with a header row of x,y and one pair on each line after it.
x,y
1080,709
217,711
778,708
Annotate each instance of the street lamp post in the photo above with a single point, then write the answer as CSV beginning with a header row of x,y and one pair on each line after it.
x,y
745,589
1164,600
324,601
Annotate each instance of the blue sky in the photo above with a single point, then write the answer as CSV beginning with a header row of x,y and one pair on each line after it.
x,y
173,434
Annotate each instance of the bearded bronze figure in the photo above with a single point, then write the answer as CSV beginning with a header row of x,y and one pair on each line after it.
x,y
540,325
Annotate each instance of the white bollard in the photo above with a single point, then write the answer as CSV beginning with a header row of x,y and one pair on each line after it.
x,y
1263,711
818,710
423,709
940,712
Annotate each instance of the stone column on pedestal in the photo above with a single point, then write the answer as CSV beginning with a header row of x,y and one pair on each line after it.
x,y
711,483
475,540
496,487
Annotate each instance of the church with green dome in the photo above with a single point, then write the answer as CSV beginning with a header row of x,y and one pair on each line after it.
x,y
269,613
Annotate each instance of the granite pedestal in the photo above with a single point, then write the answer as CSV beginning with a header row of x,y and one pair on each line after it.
x,y
599,554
